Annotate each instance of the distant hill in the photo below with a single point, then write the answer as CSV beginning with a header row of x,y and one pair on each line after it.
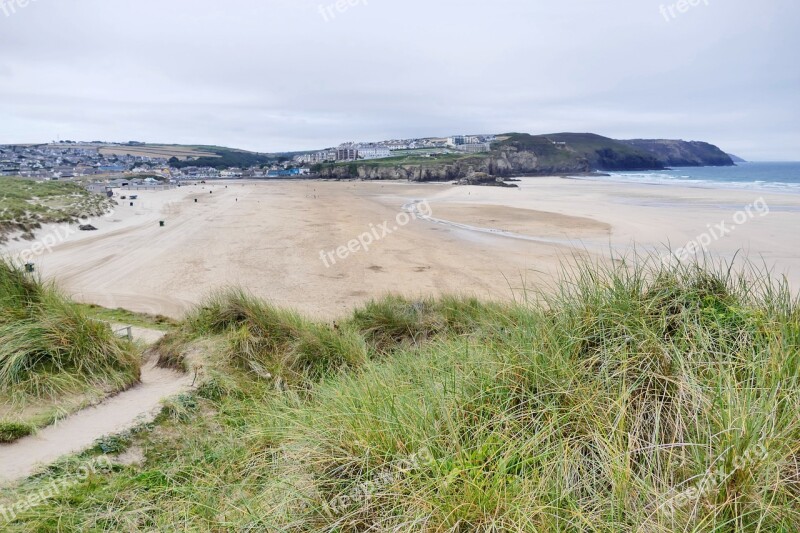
x,y
603,153
223,158
140,149
673,153
737,159
181,156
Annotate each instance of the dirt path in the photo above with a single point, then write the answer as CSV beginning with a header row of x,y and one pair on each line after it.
x,y
78,432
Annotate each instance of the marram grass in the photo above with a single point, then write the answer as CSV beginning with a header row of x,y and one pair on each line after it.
x,y
632,399
49,346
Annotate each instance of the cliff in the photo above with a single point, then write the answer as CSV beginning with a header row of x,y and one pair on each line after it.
x,y
683,153
603,153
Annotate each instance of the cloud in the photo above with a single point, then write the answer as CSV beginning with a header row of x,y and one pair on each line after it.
x,y
273,75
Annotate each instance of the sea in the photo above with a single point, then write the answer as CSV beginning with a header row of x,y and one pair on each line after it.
x,y
774,177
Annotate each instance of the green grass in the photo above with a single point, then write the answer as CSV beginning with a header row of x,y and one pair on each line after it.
x,y
268,341
607,154
410,159
123,316
422,152
52,354
48,345
415,159
656,399
25,205
11,431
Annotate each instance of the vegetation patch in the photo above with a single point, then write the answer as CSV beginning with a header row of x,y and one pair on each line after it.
x,y
123,316
633,399
267,341
224,158
52,353
25,205
11,431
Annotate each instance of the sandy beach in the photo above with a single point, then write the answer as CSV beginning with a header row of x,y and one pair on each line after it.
x,y
296,243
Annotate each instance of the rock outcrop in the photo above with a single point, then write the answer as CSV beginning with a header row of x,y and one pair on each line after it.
x,y
484,179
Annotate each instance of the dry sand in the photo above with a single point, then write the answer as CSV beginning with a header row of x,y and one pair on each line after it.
x,y
489,242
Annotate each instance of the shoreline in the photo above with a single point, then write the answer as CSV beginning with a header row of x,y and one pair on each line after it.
x,y
693,177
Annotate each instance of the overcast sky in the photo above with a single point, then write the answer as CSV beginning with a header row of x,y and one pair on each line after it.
x,y
274,75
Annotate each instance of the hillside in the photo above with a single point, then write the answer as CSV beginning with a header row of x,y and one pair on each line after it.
x,y
658,399
683,153
603,153
151,150
223,158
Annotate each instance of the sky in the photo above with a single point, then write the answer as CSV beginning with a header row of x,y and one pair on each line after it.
x,y
284,75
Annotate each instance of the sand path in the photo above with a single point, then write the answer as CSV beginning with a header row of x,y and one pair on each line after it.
x,y
78,432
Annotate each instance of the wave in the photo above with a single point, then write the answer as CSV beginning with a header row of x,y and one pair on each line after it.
x,y
662,178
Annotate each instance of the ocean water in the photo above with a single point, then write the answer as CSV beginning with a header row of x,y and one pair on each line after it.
x,y
775,177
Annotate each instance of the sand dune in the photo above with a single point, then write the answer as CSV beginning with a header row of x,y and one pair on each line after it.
x,y
79,431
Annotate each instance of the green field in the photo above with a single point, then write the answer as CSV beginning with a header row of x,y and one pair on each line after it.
x,y
416,158
630,399
421,152
25,205
412,158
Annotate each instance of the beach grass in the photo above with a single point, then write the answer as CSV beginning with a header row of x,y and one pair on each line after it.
x,y
123,316
25,205
637,397
52,353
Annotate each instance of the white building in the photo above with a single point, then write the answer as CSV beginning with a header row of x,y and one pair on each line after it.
x,y
474,148
398,146
456,140
316,157
373,152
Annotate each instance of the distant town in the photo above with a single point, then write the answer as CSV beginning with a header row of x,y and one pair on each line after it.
x,y
96,163
384,149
